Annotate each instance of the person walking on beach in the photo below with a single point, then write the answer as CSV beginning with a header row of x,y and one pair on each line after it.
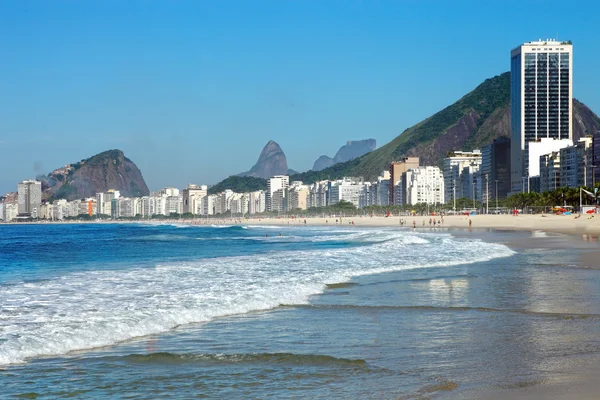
x,y
470,223
414,224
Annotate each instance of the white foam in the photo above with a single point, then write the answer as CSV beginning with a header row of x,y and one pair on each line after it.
x,y
103,307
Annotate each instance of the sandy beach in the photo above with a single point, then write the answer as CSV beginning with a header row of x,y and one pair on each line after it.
x,y
569,224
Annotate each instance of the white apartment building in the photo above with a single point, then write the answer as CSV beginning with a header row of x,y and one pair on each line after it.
x,y
532,156
541,99
347,190
576,164
317,194
273,184
257,202
208,204
173,205
191,197
549,172
239,204
100,203
460,169
10,212
424,185
225,201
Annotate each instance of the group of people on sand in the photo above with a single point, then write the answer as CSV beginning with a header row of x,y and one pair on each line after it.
x,y
432,222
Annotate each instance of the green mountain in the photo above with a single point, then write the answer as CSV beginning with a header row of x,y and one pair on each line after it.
x,y
470,123
239,184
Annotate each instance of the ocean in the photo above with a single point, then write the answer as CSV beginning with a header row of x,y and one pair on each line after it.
x,y
180,311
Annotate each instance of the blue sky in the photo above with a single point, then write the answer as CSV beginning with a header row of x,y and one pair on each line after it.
x,y
192,90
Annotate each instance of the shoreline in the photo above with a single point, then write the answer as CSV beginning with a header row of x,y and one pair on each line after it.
x,y
566,224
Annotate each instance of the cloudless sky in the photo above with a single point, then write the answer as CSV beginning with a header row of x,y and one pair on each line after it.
x,y
192,90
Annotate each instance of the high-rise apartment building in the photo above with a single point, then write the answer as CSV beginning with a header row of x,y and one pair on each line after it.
x,y
274,184
424,185
540,99
29,198
460,171
397,168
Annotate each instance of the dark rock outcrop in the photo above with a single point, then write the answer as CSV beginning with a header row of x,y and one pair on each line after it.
x,y
107,170
271,162
322,163
352,149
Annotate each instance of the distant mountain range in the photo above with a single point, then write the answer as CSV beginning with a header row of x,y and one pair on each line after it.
x,y
107,170
351,150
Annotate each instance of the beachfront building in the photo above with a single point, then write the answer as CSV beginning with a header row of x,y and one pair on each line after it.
x,y
381,190
541,100
396,169
29,198
495,169
298,197
239,204
576,164
549,172
191,197
257,202
460,170
10,212
347,189
317,194
534,151
208,204
424,185
273,184
173,204
224,203
279,200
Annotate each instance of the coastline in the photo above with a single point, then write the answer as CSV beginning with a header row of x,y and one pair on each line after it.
x,y
567,224
452,299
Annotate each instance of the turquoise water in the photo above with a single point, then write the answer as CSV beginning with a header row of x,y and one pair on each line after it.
x,y
177,311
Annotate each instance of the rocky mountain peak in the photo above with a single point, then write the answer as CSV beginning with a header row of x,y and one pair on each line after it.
x,y
106,170
271,162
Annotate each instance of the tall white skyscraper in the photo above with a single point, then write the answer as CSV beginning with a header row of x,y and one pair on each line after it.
x,y
541,99
29,198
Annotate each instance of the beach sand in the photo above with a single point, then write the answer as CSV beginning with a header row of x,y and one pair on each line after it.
x,y
569,224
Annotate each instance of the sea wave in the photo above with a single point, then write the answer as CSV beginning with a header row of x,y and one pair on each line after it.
x,y
89,309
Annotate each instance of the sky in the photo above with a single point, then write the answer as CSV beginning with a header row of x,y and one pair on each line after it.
x,y
191,91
